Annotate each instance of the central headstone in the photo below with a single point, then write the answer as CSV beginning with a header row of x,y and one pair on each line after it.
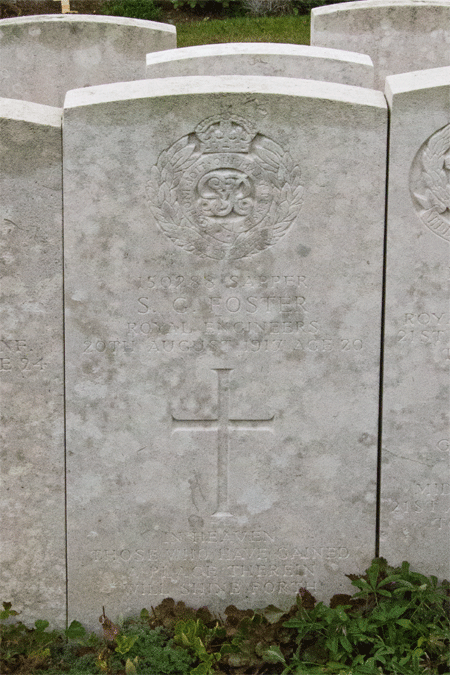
x,y
223,313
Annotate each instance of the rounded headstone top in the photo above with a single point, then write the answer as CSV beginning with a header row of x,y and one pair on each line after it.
x,y
62,19
362,5
178,86
257,48
27,111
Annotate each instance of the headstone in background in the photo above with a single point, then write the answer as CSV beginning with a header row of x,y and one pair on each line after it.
x,y
416,439
223,288
398,35
42,57
32,543
300,61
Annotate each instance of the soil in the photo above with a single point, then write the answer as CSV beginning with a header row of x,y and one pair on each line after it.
x,y
13,8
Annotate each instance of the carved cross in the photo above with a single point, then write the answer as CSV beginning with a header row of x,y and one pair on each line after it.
x,y
223,424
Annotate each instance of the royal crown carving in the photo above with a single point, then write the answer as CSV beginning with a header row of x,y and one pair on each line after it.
x,y
225,190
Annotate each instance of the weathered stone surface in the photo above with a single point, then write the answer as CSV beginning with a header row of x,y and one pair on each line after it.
x,y
42,57
399,35
223,244
32,544
416,440
309,63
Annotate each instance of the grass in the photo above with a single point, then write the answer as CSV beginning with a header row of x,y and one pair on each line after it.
x,y
210,22
286,29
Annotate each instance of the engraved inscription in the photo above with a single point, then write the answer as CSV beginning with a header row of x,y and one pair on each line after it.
x,y
428,328
223,345
225,191
231,304
175,282
101,346
223,423
220,562
236,313
427,502
430,183
17,356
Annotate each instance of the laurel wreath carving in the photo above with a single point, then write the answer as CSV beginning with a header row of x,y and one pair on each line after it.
x,y
162,194
434,195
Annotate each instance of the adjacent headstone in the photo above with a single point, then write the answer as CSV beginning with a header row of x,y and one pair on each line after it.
x,y
32,541
223,287
416,439
399,35
42,57
272,59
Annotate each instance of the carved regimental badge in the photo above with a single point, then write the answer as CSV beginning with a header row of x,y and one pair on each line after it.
x,y
225,191
430,183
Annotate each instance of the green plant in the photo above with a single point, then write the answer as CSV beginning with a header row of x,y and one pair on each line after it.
x,y
143,645
23,647
305,6
157,653
257,7
227,7
134,9
269,7
257,638
198,639
398,622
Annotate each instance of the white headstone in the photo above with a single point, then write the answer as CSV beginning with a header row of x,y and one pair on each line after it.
x,y
223,286
272,59
32,541
416,439
42,57
398,35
